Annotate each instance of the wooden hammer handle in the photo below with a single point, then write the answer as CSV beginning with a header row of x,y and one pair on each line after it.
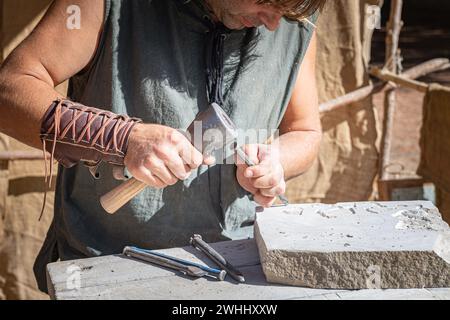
x,y
212,118
119,196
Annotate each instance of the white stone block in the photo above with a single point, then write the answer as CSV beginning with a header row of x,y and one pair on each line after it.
x,y
355,245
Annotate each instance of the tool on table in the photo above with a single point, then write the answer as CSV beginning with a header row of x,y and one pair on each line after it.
x,y
189,268
222,137
197,242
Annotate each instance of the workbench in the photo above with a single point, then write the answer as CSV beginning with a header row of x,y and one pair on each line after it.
x,y
120,277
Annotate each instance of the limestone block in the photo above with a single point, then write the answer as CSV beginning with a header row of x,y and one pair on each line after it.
x,y
355,245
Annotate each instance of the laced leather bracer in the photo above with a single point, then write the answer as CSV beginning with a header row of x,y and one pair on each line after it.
x,y
72,132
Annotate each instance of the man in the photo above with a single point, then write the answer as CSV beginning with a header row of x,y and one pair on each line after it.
x,y
162,62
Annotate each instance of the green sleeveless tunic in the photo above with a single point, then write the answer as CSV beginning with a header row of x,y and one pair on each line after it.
x,y
150,64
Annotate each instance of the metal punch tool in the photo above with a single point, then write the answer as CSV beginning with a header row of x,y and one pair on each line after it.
x,y
197,242
250,163
189,268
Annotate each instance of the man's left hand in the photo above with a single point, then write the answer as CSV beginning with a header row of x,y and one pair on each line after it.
x,y
265,180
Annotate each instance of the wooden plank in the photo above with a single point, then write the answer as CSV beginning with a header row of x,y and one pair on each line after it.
x,y
103,271
118,277
399,80
239,253
405,294
179,287
110,278
440,293
362,93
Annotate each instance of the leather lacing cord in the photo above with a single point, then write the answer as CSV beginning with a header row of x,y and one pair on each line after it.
x,y
106,145
214,64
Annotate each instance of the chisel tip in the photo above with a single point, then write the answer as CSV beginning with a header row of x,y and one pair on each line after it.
x,y
222,275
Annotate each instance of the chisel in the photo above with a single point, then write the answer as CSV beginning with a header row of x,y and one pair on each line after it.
x,y
186,267
250,163
198,243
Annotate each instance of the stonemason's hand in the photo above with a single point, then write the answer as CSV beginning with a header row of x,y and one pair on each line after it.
x,y
265,180
161,156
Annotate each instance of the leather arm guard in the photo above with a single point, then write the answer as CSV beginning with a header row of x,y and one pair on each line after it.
x,y
72,132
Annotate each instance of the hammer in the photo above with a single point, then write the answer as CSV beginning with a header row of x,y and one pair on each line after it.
x,y
210,131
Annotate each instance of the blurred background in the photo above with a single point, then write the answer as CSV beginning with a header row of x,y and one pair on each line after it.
x,y
354,164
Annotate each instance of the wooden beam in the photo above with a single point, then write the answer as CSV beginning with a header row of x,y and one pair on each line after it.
x,y
398,79
391,64
418,71
394,27
427,67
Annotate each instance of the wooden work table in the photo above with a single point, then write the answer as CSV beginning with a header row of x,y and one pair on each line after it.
x,y
119,277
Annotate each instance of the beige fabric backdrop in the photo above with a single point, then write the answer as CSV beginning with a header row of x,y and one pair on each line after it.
x,y
347,164
435,144
344,171
21,182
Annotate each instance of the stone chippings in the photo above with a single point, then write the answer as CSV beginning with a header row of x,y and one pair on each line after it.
x,y
355,245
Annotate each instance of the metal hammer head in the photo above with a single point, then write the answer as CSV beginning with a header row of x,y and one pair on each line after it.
x,y
212,130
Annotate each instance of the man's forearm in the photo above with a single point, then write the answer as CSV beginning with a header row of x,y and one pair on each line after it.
x,y
298,150
70,131
24,100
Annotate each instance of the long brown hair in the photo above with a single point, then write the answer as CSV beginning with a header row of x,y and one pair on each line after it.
x,y
295,9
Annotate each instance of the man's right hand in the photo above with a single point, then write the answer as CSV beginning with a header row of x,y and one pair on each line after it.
x,y
161,156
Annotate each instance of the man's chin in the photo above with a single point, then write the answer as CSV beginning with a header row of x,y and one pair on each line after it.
x,y
239,28
233,24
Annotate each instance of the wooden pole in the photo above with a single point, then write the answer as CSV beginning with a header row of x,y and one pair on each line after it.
x,y
21,155
391,64
365,92
398,79
427,67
